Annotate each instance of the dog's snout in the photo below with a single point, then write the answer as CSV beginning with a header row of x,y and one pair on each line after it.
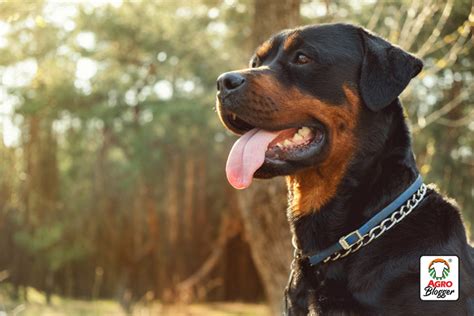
x,y
230,81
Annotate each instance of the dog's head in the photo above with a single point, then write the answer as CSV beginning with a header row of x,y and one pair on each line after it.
x,y
299,103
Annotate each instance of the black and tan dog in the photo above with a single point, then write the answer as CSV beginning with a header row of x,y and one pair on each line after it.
x,y
320,105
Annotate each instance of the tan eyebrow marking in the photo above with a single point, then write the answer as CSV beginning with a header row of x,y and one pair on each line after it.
x,y
292,40
264,49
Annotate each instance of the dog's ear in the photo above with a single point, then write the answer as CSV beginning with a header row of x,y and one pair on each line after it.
x,y
386,71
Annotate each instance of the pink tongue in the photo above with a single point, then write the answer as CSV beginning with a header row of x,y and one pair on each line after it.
x,y
246,156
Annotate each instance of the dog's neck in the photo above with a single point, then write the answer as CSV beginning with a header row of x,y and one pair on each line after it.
x,y
370,181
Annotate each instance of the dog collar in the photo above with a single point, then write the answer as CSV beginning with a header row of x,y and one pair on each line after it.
x,y
374,227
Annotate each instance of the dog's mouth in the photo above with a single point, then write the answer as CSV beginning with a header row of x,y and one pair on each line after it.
x,y
264,148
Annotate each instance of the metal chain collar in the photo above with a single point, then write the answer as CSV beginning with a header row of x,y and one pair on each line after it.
x,y
366,239
384,226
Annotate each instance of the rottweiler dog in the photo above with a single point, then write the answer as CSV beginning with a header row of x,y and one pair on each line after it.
x,y
319,104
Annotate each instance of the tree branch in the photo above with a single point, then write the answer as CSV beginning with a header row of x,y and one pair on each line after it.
x,y
432,117
451,56
186,289
437,30
410,19
460,122
413,33
374,19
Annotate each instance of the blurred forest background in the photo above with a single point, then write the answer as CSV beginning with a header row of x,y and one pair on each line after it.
x,y
112,182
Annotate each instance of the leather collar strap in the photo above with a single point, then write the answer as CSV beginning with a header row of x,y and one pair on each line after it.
x,y
354,237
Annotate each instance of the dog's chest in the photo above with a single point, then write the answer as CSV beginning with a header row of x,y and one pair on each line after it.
x,y
322,292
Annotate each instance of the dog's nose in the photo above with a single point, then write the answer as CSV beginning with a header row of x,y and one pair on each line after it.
x,y
229,81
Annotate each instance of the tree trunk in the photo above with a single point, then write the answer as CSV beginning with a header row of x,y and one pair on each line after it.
x,y
263,205
271,17
263,208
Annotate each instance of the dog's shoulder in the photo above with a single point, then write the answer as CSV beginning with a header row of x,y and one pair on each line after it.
x,y
440,211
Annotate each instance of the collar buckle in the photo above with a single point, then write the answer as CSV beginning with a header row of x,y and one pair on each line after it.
x,y
350,239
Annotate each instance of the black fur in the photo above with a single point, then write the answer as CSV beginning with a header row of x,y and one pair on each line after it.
x,y
383,277
386,71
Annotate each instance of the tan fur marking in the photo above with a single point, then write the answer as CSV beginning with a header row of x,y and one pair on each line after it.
x,y
312,189
290,41
264,49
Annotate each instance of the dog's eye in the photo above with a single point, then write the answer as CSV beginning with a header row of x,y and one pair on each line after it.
x,y
302,59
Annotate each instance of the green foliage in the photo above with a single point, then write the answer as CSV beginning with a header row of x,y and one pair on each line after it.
x,y
113,101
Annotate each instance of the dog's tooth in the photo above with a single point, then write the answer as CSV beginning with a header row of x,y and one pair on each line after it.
x,y
297,137
280,145
304,131
234,116
287,143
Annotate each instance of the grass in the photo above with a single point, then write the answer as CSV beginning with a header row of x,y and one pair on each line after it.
x,y
217,309
104,308
36,306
